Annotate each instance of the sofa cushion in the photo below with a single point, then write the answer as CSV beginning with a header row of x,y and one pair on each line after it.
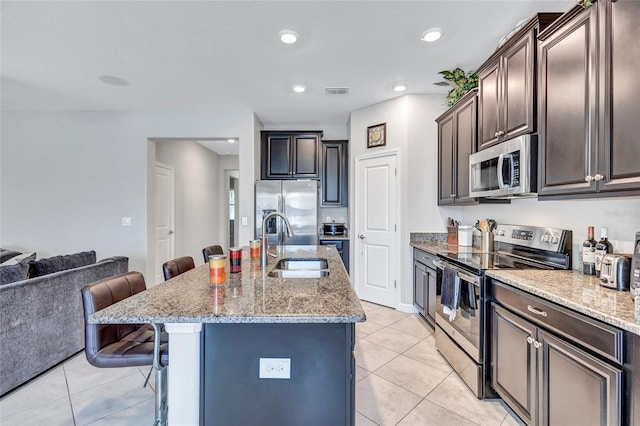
x,y
6,254
16,268
50,265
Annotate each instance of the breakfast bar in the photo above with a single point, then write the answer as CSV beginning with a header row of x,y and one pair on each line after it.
x,y
240,348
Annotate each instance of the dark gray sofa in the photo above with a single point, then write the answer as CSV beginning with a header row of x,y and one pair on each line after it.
x,y
42,321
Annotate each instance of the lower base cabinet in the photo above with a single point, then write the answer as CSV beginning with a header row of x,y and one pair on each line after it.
x,y
343,250
549,380
424,285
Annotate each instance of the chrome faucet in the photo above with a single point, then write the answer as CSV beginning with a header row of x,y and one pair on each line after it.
x,y
263,253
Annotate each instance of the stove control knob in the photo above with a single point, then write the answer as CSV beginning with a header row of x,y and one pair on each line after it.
x,y
554,240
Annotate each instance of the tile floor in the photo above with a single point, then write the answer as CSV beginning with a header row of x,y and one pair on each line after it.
x,y
401,379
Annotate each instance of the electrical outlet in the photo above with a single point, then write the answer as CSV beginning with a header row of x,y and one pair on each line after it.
x,y
275,368
244,221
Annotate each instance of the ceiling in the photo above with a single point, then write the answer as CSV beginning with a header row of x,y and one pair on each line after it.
x,y
213,55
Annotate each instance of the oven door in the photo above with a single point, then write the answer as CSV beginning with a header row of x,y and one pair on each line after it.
x,y
465,329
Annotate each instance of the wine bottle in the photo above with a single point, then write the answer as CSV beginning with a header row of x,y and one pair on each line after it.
x,y
588,254
602,247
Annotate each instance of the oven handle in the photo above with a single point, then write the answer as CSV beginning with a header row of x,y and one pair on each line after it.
x,y
467,277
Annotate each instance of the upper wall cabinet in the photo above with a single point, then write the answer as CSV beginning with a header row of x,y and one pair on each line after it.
x,y
456,141
334,179
590,102
290,155
506,86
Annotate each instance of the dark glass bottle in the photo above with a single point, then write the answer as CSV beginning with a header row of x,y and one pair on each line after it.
x,y
602,247
589,254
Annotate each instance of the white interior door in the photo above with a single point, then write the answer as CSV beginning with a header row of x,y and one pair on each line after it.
x,y
376,239
164,218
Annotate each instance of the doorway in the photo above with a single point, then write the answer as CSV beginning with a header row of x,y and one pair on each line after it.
x,y
376,239
232,189
164,224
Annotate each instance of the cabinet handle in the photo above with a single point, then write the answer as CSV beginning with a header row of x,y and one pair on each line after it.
x,y
453,195
588,178
536,344
497,134
529,340
536,311
598,177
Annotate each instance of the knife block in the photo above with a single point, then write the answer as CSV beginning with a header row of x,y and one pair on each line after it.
x,y
452,235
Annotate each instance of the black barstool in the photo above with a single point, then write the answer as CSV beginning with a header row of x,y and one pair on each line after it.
x,y
211,250
177,266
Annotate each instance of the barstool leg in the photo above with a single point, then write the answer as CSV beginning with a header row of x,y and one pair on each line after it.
x,y
161,381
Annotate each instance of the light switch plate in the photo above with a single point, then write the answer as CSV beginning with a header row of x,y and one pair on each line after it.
x,y
244,220
126,221
275,368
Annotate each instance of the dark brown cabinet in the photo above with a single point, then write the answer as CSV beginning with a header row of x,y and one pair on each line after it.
x,y
547,379
456,141
343,250
590,102
290,155
424,285
334,174
506,86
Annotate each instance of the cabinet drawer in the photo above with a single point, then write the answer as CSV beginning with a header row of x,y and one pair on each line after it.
x,y
591,334
339,244
423,257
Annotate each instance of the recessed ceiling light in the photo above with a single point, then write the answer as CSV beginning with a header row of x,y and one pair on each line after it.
x,y
400,87
113,80
288,36
299,88
231,140
432,34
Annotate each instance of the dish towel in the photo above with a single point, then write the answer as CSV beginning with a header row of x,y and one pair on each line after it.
x,y
450,297
468,298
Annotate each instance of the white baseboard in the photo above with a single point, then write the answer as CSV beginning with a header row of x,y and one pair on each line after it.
x,y
408,308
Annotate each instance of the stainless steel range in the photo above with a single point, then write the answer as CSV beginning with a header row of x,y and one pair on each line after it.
x,y
460,336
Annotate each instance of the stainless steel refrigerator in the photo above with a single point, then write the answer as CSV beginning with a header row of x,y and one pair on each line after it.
x,y
297,200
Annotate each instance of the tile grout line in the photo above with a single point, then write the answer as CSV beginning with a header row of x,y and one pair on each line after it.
x,y
66,383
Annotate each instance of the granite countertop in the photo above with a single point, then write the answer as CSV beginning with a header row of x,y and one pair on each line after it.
x,y
576,291
246,297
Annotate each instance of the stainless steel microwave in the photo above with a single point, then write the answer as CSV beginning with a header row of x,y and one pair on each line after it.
x,y
506,170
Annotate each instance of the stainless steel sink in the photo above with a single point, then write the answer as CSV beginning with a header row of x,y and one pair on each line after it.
x,y
300,268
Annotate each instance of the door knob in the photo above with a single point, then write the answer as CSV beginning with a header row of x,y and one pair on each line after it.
x,y
362,237
170,232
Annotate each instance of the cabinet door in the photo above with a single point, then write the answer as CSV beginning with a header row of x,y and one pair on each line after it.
x,y
619,150
432,292
567,107
306,151
488,105
277,157
517,90
445,161
420,282
576,388
334,174
513,363
465,146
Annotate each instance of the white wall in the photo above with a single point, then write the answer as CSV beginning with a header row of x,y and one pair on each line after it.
x,y
197,195
67,178
395,114
620,215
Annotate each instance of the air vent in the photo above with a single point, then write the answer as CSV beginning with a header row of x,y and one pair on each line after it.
x,y
336,90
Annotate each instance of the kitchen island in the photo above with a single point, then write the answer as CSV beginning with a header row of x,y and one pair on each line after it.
x,y
218,331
